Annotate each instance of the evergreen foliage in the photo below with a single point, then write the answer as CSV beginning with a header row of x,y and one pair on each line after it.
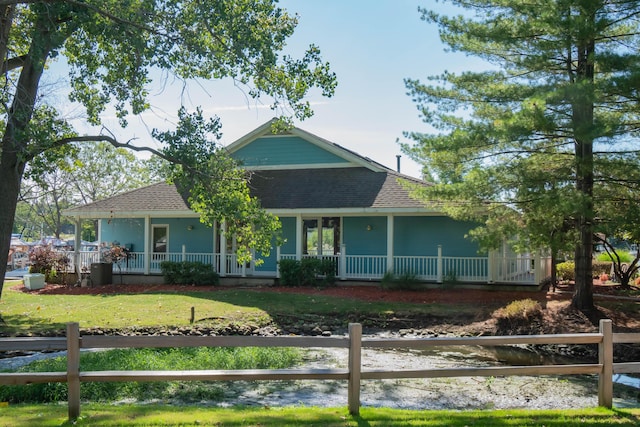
x,y
543,143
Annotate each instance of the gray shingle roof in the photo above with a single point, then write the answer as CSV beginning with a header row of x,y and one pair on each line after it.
x,y
331,188
281,189
155,197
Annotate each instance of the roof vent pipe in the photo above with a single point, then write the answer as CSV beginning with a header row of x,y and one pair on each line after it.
x,y
398,162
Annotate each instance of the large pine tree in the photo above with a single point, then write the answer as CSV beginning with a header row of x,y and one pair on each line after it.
x,y
527,145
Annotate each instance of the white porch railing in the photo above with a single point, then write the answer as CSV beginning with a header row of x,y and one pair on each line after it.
x,y
521,269
364,267
423,267
465,269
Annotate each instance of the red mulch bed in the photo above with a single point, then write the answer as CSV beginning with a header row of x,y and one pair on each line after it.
x,y
360,292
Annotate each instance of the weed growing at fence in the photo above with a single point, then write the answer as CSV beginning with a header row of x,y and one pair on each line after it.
x,y
150,359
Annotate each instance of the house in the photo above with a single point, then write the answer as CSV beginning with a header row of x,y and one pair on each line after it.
x,y
332,203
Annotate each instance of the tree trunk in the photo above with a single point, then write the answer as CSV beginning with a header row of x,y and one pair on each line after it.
x,y
15,153
10,178
583,122
583,295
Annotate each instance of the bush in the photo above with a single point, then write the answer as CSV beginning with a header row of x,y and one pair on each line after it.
x,y
524,309
601,267
403,281
189,273
624,257
307,272
519,317
46,261
566,270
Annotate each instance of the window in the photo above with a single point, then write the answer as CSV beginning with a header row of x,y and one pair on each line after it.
x,y
160,238
321,236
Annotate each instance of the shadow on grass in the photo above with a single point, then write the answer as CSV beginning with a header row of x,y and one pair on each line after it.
x,y
16,325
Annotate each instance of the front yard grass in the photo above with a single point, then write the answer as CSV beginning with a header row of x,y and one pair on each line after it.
x,y
34,314
167,415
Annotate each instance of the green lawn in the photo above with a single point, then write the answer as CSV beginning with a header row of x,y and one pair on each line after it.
x,y
165,415
26,313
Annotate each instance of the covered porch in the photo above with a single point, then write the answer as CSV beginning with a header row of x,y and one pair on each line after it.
x,y
524,269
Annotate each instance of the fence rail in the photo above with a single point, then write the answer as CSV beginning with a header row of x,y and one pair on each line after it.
x,y
73,343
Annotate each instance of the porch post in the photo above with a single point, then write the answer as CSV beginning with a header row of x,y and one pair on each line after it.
x,y
223,249
216,266
390,234
298,237
343,262
439,272
278,262
99,236
537,268
491,267
76,249
147,244
184,253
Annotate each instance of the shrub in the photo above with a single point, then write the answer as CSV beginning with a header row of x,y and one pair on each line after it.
x,y
189,273
290,272
307,272
46,261
524,309
518,317
624,257
601,267
566,270
403,281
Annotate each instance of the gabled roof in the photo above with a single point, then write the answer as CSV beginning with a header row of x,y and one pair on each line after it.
x,y
362,186
266,130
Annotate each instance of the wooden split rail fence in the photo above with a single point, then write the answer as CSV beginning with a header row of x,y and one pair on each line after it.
x,y
74,342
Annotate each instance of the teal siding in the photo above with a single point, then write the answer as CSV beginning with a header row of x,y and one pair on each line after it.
x,y
282,150
125,231
361,241
288,248
415,236
289,234
131,231
198,240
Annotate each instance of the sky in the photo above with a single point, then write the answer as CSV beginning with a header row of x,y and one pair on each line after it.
x,y
372,47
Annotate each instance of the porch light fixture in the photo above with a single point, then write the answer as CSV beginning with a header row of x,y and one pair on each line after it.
x,y
189,227
369,227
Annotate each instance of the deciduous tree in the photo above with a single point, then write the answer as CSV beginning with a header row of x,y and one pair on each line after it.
x,y
114,47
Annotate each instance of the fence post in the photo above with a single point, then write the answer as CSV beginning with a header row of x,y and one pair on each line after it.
x,y
605,358
355,359
73,370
